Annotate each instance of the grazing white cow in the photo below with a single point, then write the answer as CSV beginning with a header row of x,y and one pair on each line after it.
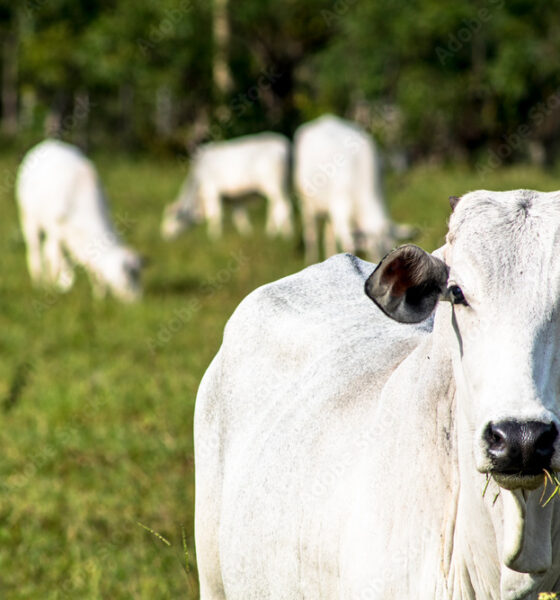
x,y
250,164
337,176
65,222
343,446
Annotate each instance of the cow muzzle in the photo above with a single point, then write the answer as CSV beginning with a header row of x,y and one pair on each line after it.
x,y
519,452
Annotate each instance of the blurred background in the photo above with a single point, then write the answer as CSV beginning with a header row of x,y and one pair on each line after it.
x,y
430,80
97,397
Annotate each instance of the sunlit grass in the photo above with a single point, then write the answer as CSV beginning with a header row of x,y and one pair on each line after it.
x,y
552,478
97,398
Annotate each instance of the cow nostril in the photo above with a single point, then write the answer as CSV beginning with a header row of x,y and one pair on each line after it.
x,y
544,444
495,437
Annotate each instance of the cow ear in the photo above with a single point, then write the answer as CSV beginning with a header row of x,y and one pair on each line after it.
x,y
407,284
453,201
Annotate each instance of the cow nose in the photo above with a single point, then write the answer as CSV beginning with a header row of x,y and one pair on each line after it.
x,y
520,448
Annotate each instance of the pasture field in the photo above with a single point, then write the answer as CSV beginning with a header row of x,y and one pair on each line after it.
x,y
97,398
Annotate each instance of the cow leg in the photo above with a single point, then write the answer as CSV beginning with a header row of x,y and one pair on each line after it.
x,y
212,203
241,220
279,214
59,271
341,223
65,278
329,239
310,237
32,236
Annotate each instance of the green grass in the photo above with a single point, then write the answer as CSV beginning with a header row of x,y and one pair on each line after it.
x,y
97,398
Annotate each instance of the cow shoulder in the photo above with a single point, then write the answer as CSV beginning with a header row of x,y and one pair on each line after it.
x,y
319,316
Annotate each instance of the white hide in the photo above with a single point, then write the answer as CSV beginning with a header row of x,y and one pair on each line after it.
x,y
65,222
338,452
250,164
337,176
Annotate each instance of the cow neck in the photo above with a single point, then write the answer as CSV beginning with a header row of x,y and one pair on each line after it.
x,y
494,526
468,552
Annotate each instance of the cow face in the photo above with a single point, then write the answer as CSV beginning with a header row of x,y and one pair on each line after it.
x,y
184,213
502,278
176,219
121,271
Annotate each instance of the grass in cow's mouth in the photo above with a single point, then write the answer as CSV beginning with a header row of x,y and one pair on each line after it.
x,y
553,479
486,484
488,477
549,477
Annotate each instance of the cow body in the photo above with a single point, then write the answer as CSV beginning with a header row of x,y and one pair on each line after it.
x,y
337,176
234,168
341,454
66,222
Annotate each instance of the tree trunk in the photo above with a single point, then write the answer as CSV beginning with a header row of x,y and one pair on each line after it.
x,y
221,73
164,111
80,118
27,108
126,102
9,84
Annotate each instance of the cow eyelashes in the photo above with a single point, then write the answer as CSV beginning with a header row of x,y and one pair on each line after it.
x,y
455,295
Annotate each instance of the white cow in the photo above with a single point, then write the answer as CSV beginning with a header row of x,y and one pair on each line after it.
x,y
250,164
337,176
341,454
65,222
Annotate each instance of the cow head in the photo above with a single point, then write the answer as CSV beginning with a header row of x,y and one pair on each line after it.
x,y
183,213
120,272
501,275
176,219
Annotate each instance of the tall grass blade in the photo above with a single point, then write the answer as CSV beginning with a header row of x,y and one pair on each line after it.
x,y
158,535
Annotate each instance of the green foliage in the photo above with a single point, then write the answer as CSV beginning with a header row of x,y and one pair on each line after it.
x,y
122,54
460,76
463,74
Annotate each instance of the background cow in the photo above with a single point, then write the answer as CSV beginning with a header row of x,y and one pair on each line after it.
x,y
65,222
337,176
346,449
250,164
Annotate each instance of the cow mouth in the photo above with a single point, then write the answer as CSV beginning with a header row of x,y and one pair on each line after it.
x,y
513,481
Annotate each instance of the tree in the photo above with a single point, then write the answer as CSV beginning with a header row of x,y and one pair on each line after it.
x,y
464,76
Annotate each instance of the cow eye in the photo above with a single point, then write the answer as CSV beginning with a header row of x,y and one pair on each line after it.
x,y
456,295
